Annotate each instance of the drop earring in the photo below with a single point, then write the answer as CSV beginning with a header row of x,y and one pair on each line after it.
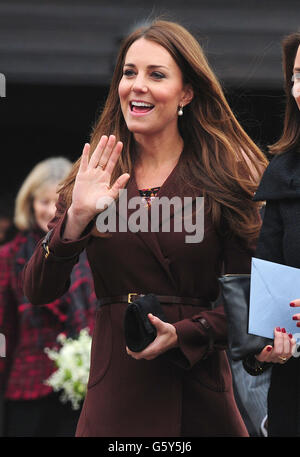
x,y
180,111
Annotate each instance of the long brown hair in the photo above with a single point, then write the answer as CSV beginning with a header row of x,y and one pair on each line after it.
x,y
218,154
290,138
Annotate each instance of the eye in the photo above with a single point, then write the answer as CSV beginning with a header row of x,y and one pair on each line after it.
x,y
296,77
158,75
128,72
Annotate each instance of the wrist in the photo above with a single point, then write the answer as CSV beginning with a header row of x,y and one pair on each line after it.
x,y
253,366
78,217
76,224
174,338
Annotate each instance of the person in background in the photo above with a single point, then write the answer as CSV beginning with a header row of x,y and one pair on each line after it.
x,y
279,242
30,406
166,130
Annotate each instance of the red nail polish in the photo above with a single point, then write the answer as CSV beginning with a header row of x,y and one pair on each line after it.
x,y
278,329
292,304
283,330
269,348
290,335
295,318
298,324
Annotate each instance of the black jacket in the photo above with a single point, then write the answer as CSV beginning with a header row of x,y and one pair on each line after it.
x,y
279,242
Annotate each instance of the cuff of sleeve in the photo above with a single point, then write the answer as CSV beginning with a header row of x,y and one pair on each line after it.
x,y
192,343
68,248
253,366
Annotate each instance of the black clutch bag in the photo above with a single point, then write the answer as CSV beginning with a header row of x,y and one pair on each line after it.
x,y
235,291
139,332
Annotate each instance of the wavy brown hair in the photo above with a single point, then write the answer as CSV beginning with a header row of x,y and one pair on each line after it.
x,y
218,154
290,138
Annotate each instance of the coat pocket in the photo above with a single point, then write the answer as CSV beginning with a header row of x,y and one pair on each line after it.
x,y
213,372
101,349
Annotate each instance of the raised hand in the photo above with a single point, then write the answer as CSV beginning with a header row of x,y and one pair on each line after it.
x,y
92,183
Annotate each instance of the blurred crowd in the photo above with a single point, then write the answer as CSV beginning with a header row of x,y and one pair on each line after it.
x,y
30,407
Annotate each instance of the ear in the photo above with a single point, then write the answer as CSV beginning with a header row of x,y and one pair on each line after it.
x,y
188,95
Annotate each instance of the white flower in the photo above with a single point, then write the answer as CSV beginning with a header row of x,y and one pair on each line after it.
x,y
73,366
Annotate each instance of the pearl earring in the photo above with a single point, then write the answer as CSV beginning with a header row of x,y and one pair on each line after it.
x,y
180,111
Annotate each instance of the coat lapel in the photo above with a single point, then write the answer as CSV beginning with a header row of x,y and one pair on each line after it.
x,y
169,189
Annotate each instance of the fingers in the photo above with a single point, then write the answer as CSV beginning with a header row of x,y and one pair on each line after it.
x,y
281,351
158,323
110,148
111,162
295,304
119,184
105,156
149,353
153,350
283,346
166,339
95,157
106,150
84,157
264,355
296,317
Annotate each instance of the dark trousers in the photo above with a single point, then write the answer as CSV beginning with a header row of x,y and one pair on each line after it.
x,y
43,417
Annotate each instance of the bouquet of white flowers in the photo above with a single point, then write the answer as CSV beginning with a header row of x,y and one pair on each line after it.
x,y
73,366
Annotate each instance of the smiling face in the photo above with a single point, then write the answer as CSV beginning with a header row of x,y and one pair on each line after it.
x,y
44,205
151,89
296,78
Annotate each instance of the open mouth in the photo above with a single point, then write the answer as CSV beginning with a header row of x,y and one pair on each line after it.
x,y
141,107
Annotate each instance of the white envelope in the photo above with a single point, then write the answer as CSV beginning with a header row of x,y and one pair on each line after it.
x,y
273,286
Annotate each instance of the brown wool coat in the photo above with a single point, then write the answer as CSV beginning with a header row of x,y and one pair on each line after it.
x,y
184,392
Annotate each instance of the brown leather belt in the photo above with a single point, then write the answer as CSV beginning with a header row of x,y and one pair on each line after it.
x,y
129,298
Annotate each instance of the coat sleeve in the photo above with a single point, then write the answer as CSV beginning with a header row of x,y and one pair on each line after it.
x,y
47,278
207,331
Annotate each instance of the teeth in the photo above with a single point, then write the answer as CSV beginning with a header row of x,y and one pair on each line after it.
x,y
146,105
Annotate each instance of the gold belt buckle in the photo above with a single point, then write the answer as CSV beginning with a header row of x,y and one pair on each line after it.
x,y
129,299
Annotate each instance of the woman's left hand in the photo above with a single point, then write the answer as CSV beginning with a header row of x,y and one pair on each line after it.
x,y
166,339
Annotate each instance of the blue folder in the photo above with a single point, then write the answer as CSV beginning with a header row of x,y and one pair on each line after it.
x,y
273,286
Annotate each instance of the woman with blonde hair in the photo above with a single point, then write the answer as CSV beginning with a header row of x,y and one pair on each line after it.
x,y
166,131
31,408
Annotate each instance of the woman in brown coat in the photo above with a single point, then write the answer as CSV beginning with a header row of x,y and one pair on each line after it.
x,y
170,134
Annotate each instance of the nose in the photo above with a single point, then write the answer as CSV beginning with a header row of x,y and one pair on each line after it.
x,y
139,84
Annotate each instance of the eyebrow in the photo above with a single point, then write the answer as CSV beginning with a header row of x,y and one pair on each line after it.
x,y
297,69
151,67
